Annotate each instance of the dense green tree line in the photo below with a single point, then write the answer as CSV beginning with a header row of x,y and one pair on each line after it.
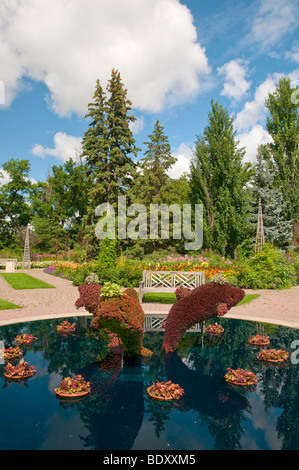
x,y
62,209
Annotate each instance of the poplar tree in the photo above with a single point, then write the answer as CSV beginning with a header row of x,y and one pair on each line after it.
x,y
218,182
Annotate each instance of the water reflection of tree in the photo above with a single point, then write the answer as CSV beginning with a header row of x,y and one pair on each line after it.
x,y
113,413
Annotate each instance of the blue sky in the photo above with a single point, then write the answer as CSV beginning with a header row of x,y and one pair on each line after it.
x,y
173,56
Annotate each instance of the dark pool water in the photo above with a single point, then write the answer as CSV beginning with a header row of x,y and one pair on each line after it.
x,y
119,415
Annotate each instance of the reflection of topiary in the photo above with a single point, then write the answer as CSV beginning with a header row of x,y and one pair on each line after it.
x,y
206,301
125,317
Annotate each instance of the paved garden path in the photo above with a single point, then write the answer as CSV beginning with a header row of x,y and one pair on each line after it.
x,y
279,306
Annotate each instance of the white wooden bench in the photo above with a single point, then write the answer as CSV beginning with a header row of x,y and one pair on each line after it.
x,y
169,281
9,263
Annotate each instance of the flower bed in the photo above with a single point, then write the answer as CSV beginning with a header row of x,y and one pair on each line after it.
x,y
273,355
165,391
240,377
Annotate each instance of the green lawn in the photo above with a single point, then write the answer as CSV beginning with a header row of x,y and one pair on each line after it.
x,y
4,305
165,298
248,298
24,281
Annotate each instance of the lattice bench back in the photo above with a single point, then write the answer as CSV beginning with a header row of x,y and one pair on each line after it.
x,y
169,281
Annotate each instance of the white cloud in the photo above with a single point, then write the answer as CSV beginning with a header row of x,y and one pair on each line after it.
x,y
5,178
137,125
254,111
235,84
293,54
65,147
183,154
251,140
272,22
70,44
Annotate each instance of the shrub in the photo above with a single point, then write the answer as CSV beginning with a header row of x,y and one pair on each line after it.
x,y
206,301
268,269
125,317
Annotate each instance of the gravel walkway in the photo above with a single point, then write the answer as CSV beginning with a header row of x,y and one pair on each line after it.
x,y
279,307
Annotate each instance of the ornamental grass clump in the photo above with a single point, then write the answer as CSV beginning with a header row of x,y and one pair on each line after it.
x,y
21,371
73,386
165,391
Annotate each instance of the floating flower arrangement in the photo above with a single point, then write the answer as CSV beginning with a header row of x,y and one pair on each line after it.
x,y
273,355
165,391
259,340
12,353
215,329
25,339
72,387
21,371
240,377
66,328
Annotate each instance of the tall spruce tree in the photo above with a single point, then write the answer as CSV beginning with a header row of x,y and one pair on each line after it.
x,y
157,160
218,181
153,183
109,148
283,126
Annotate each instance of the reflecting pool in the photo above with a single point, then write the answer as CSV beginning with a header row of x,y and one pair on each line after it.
x,y
118,414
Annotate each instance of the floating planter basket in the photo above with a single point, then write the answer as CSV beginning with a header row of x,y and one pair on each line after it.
x,y
165,391
66,328
25,339
21,371
259,340
215,330
273,355
12,353
73,387
240,377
